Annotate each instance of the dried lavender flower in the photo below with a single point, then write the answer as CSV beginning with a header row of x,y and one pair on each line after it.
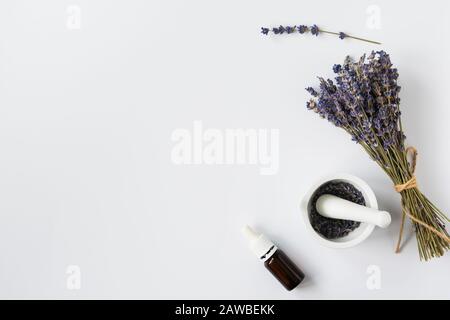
x,y
315,30
265,31
290,29
335,228
337,68
342,35
312,91
302,29
365,95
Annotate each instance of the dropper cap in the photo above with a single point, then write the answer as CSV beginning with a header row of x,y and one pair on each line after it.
x,y
258,243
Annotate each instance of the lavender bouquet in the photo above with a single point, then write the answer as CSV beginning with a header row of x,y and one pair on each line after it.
x,y
364,101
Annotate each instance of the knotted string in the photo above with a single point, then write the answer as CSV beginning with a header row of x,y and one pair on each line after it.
x,y
412,183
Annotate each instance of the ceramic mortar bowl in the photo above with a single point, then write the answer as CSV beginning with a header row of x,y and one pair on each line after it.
x,y
354,237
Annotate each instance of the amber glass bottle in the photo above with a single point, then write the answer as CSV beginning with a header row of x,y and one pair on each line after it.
x,y
284,269
275,260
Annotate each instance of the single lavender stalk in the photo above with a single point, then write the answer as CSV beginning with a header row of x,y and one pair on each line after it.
x,y
314,30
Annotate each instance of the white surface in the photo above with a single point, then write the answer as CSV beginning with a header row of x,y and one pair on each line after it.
x,y
86,176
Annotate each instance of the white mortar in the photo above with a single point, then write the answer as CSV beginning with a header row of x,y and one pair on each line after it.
x,y
354,237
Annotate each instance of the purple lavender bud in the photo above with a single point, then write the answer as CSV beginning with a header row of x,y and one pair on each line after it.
x,y
337,68
312,92
275,30
342,35
302,29
281,29
363,100
290,29
264,31
315,30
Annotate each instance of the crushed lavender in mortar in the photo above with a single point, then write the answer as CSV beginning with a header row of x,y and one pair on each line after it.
x,y
335,228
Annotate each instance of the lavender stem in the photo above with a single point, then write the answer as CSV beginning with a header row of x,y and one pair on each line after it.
x,y
348,36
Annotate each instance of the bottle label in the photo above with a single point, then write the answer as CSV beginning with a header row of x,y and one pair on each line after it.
x,y
269,253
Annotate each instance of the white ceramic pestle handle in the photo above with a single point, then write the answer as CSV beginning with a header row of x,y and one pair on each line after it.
x,y
334,207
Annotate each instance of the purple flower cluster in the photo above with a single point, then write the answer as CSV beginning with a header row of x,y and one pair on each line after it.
x,y
291,29
363,100
314,29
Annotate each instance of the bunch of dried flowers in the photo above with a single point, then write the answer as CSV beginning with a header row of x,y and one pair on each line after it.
x,y
364,101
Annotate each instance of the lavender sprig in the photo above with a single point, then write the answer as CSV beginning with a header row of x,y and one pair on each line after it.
x,y
314,30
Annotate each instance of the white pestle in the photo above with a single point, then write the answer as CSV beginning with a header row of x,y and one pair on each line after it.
x,y
337,208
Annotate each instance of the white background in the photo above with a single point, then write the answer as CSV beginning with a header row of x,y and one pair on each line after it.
x,y
86,176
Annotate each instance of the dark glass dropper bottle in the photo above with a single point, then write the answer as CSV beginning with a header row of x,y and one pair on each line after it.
x,y
275,260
